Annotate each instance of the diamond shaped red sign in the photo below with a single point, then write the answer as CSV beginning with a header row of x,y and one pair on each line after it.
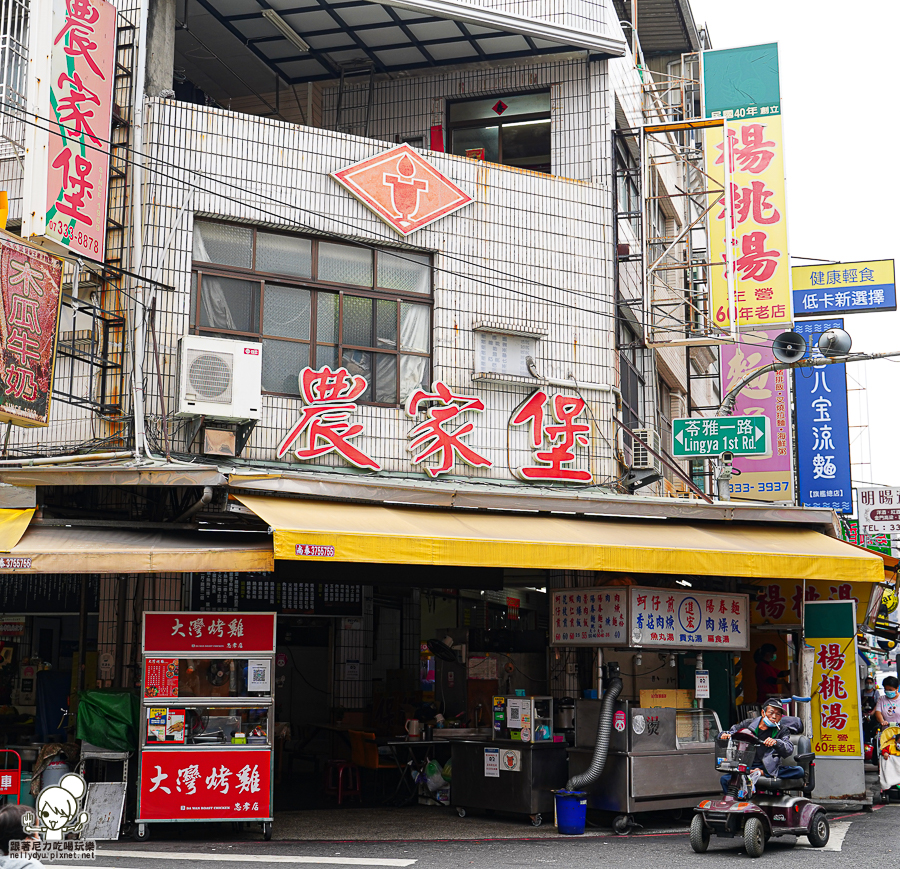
x,y
500,107
402,188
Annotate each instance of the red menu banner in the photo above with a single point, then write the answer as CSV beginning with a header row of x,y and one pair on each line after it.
x,y
216,785
209,632
161,677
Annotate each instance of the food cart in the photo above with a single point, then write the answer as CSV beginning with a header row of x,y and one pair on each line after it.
x,y
518,769
207,718
658,758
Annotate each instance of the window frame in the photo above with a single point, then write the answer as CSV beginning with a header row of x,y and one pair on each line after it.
x,y
500,121
200,268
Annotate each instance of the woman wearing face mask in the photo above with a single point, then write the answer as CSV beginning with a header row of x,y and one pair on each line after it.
x,y
870,697
887,709
767,674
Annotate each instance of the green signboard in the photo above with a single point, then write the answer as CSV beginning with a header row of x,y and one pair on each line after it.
x,y
711,436
741,82
876,542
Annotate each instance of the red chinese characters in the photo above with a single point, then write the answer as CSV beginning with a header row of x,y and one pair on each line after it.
x,y
752,202
82,73
433,437
830,657
771,602
756,263
30,288
205,784
588,616
562,433
324,425
752,231
833,716
751,152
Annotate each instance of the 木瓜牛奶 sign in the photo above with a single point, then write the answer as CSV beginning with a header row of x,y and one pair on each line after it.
x,y
699,619
30,299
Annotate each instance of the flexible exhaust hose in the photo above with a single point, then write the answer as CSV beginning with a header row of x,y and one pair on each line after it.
x,y
601,749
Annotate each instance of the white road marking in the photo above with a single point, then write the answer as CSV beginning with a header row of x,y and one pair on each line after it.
x,y
254,858
835,840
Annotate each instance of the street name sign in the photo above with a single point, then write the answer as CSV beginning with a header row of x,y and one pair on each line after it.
x,y
711,436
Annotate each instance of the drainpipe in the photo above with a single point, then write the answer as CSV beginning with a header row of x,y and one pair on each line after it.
x,y
137,241
578,384
67,460
699,666
205,498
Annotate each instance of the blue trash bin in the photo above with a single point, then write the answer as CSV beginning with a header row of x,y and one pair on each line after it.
x,y
571,812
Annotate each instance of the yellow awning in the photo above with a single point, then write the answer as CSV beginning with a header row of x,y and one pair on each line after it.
x,y
399,535
12,526
76,549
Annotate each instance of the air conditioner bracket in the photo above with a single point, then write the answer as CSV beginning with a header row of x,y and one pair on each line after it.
x,y
244,430
193,429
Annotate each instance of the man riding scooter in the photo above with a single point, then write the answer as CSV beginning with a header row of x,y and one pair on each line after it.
x,y
773,731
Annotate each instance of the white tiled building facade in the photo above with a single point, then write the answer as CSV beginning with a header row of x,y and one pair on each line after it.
x,y
533,252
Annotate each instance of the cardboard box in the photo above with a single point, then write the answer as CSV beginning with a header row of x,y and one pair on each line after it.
x,y
667,698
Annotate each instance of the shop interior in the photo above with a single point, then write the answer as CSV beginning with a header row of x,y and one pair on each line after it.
x,y
381,678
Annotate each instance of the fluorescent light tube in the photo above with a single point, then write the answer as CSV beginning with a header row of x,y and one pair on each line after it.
x,y
285,29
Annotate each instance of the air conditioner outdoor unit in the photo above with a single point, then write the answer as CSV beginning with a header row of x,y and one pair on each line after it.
x,y
642,458
219,378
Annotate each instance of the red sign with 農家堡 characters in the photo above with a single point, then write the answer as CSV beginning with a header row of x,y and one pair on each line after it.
x,y
192,785
30,295
199,632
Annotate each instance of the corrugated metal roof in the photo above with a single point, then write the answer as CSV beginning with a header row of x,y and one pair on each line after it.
x,y
394,36
664,26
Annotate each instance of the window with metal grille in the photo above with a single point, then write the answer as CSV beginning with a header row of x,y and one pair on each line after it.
x,y
312,302
631,381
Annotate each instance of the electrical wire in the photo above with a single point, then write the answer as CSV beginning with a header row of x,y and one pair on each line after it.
x,y
502,275
300,673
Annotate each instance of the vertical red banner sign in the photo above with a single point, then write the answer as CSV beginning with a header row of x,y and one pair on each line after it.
x,y
30,295
82,73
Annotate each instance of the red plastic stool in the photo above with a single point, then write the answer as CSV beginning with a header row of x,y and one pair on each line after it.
x,y
342,780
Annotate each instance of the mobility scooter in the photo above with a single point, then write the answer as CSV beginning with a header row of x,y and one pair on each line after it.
x,y
777,807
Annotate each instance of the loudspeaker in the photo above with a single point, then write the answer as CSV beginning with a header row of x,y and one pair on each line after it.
x,y
834,342
789,347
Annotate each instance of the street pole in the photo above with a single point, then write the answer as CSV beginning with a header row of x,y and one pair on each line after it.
x,y
726,408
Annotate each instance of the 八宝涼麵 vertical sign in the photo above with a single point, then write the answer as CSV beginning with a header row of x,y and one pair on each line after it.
x,y
741,87
71,73
771,477
823,426
30,295
830,629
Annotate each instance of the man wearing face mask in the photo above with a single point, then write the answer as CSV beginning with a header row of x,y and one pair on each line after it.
x,y
776,743
887,709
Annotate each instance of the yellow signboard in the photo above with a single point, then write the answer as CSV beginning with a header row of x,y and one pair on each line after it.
x,y
835,704
780,601
844,288
762,273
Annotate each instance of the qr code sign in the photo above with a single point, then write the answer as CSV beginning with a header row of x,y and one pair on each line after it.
x,y
259,675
